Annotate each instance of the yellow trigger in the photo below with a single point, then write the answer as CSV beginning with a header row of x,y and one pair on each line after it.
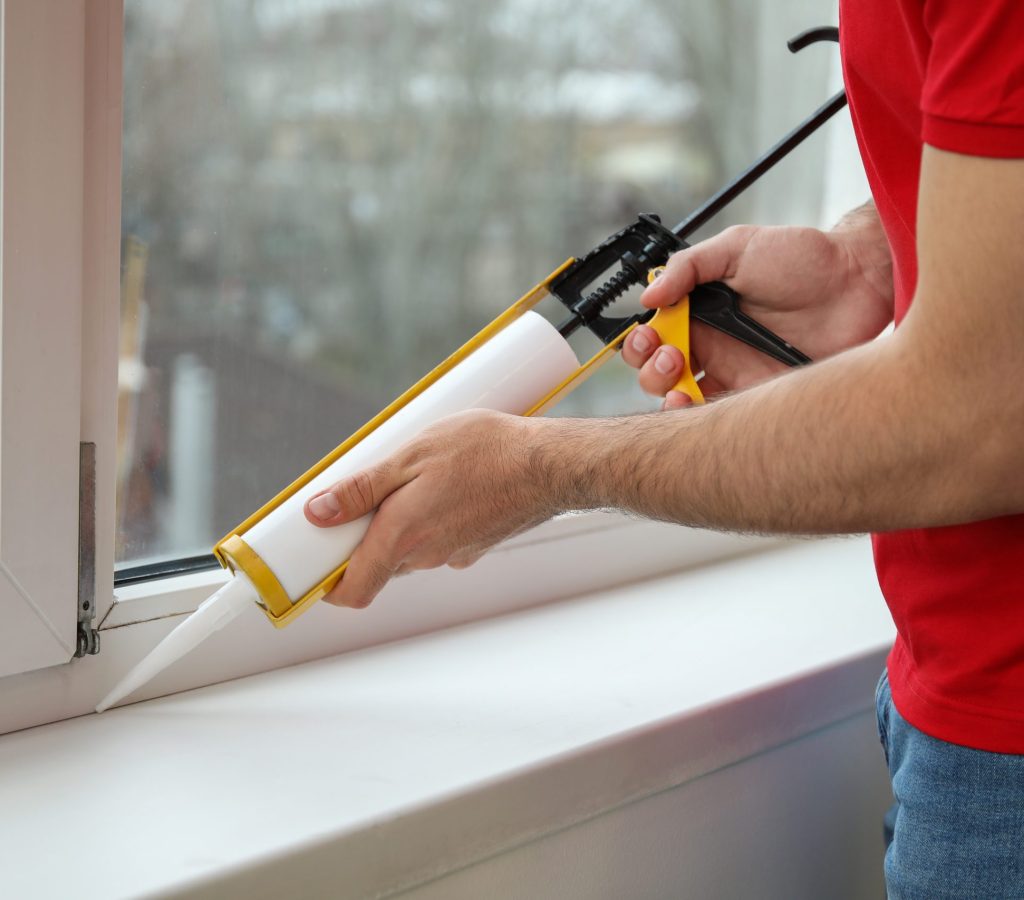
x,y
672,324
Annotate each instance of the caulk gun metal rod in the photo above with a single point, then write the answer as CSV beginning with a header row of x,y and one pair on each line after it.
x,y
736,187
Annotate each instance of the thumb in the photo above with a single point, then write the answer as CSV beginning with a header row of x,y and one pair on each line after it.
x,y
353,497
712,260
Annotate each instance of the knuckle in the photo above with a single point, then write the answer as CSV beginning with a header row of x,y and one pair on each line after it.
x,y
357,491
406,545
380,573
416,450
465,561
683,265
677,258
434,560
737,234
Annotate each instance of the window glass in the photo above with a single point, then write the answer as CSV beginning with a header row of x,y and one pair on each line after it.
x,y
322,198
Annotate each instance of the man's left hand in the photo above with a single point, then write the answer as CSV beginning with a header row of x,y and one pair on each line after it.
x,y
445,497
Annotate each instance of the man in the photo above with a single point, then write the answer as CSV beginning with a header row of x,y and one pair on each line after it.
x,y
917,437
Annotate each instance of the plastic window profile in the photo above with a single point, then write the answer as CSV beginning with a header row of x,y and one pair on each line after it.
x,y
154,590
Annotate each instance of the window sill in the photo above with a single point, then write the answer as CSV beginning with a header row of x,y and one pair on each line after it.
x,y
382,769
563,558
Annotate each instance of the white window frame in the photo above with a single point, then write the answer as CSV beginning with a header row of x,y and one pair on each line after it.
x,y
79,43
43,256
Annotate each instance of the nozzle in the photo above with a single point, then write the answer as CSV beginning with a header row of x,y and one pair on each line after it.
x,y
212,615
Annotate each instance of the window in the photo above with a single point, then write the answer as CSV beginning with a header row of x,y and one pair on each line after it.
x,y
318,199
322,199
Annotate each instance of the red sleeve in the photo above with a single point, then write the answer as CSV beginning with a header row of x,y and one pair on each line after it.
x,y
973,97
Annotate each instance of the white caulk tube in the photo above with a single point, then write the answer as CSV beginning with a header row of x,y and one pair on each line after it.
x,y
511,372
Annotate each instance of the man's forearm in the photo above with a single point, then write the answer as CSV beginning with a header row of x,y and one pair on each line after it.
x,y
863,442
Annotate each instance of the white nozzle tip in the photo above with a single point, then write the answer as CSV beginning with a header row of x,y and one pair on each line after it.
x,y
212,615
116,694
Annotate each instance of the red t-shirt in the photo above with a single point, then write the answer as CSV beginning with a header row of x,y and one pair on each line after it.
x,y
949,73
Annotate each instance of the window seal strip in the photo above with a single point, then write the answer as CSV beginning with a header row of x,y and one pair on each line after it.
x,y
166,568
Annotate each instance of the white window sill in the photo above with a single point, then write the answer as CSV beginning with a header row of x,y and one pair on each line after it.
x,y
360,774
566,557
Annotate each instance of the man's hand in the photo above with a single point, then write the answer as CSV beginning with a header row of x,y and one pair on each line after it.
x,y
824,292
447,496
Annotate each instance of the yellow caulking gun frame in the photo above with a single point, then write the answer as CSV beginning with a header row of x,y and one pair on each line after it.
x,y
234,553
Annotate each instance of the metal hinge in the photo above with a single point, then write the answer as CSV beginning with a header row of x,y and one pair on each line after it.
x,y
88,637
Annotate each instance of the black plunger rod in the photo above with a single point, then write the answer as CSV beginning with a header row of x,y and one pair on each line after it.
x,y
797,136
737,186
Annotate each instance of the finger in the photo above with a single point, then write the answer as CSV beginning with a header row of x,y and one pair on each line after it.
x,y
676,400
641,342
368,571
661,372
712,260
355,496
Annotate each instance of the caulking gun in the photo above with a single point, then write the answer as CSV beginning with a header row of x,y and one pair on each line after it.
x,y
519,364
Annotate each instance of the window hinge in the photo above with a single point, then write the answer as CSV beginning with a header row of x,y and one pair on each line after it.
x,y
88,637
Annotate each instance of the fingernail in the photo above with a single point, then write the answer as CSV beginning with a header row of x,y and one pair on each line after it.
x,y
326,506
640,343
664,362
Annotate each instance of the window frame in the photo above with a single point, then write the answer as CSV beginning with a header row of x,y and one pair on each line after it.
x,y
54,258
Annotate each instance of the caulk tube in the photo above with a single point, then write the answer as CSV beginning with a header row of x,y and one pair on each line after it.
x,y
511,372
517,367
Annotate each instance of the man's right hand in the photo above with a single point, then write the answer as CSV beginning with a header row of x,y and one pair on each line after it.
x,y
822,291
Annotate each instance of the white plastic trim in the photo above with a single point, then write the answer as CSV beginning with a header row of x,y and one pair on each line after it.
x,y
40,329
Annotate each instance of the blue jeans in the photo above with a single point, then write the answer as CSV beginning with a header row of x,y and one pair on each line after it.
x,y
956,829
